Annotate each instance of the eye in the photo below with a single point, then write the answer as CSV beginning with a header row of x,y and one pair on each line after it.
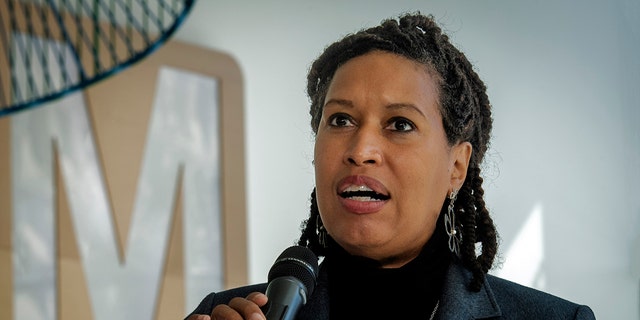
x,y
340,120
401,124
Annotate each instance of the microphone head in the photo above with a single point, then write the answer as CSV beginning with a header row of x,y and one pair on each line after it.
x,y
298,262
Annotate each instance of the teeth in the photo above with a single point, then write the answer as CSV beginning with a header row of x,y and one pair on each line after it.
x,y
360,198
362,193
353,188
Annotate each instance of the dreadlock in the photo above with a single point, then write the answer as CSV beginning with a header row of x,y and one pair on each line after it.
x,y
464,107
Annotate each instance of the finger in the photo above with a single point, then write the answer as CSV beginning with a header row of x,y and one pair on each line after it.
x,y
224,312
248,309
199,317
258,298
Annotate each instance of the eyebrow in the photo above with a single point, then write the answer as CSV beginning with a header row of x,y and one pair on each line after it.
x,y
341,102
405,106
393,106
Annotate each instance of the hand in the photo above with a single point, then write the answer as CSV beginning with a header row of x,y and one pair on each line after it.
x,y
238,309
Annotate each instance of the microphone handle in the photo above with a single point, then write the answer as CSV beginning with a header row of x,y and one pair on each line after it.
x,y
286,295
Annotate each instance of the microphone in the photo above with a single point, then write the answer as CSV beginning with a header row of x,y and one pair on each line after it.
x,y
292,279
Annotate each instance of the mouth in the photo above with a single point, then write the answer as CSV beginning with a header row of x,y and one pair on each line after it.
x,y
362,193
360,188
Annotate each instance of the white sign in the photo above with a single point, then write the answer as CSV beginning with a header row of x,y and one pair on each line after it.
x,y
182,139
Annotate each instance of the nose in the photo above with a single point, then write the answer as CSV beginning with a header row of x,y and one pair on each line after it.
x,y
365,148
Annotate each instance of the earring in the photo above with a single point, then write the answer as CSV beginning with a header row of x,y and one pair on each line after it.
x,y
450,224
322,232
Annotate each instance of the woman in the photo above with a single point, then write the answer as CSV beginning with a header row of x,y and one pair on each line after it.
x,y
402,123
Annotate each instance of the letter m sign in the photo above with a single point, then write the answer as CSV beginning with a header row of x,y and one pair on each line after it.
x,y
165,138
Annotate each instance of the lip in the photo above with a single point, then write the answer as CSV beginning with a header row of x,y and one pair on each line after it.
x,y
362,207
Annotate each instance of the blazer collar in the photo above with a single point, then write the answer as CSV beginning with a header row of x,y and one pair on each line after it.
x,y
458,302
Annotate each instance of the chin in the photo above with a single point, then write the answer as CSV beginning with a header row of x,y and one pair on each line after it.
x,y
363,247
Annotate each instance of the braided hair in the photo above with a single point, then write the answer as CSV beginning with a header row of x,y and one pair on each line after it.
x,y
465,111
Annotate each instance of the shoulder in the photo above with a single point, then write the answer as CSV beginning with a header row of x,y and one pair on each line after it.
x,y
223,297
502,299
518,301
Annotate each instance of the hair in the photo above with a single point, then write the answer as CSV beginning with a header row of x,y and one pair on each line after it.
x,y
466,116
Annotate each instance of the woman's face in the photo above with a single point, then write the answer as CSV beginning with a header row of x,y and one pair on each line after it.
x,y
383,166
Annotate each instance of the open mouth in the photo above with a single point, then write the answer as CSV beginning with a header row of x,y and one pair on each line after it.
x,y
363,193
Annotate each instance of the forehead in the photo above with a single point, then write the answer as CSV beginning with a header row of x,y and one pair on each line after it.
x,y
384,76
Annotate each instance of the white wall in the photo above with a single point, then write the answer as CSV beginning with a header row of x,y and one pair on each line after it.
x,y
562,174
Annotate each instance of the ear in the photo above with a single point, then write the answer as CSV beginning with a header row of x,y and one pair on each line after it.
x,y
460,157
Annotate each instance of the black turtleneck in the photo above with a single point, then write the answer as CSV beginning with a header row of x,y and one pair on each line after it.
x,y
361,289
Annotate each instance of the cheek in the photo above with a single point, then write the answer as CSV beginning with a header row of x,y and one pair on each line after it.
x,y
426,181
324,164
326,155
319,159
422,205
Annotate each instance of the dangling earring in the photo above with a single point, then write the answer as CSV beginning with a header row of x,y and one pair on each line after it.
x,y
322,232
450,224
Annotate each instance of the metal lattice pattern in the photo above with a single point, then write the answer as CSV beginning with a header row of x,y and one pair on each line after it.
x,y
52,47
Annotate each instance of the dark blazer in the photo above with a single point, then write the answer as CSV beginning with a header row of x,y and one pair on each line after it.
x,y
497,299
